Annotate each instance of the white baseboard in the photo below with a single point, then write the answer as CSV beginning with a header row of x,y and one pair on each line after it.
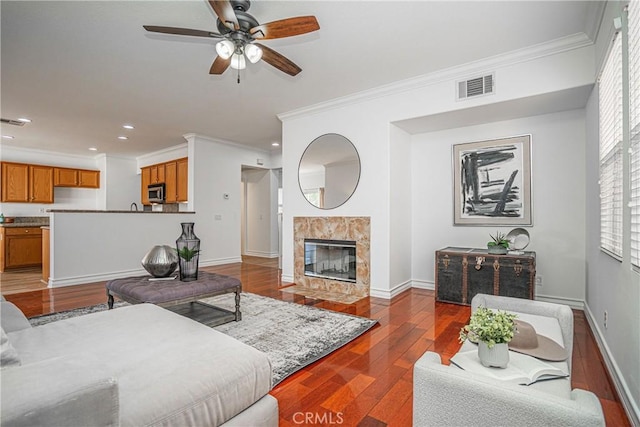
x,y
571,302
629,405
261,254
104,277
423,284
390,293
286,278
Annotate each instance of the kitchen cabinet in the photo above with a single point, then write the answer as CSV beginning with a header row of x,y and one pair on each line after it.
x,y
182,179
145,180
20,247
174,174
157,173
82,178
25,183
88,178
65,177
461,273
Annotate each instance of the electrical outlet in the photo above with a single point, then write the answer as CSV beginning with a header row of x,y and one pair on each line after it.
x,y
606,318
538,280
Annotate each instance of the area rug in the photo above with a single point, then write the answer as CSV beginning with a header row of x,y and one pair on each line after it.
x,y
292,335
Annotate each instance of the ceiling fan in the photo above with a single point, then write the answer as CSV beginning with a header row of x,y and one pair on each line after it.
x,y
239,31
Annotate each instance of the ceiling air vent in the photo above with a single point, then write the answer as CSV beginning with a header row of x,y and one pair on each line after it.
x,y
12,122
476,86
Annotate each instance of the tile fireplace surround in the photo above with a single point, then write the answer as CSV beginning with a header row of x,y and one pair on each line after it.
x,y
357,229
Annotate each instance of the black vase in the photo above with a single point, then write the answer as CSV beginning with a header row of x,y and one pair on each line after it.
x,y
188,246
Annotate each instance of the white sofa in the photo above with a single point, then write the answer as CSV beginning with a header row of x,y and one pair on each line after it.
x,y
449,396
139,365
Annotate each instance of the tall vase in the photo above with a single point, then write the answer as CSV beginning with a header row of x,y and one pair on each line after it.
x,y
188,246
496,356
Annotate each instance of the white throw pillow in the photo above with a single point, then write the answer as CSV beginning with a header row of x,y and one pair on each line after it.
x,y
8,354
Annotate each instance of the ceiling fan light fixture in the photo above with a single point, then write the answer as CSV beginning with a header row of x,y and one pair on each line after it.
x,y
238,62
225,49
253,52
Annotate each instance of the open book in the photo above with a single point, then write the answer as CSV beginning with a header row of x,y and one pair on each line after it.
x,y
522,369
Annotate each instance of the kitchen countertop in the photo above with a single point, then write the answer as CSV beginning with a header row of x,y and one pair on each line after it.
x,y
115,211
24,224
27,221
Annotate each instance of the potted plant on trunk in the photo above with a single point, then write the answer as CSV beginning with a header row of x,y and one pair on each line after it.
x,y
492,330
498,244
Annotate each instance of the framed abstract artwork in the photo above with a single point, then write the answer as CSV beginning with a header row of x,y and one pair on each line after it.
x,y
492,182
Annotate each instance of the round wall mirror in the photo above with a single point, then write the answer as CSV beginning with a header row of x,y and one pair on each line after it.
x,y
329,171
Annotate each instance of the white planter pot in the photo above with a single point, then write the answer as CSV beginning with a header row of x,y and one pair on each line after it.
x,y
497,356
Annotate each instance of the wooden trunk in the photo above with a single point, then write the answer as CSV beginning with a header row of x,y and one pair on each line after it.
x,y
461,273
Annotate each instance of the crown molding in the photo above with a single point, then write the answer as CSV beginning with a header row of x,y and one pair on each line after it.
x,y
459,72
160,152
188,136
47,152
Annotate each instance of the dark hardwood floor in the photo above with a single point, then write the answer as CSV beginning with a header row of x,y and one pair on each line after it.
x,y
367,382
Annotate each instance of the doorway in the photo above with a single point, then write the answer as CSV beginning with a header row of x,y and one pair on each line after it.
x,y
259,218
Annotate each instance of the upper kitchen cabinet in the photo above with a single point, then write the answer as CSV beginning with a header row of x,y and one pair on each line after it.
x,y
176,180
67,177
24,183
174,175
89,178
157,174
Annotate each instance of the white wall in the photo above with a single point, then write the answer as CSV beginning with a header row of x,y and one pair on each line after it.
x,y
401,227
558,173
215,169
119,183
64,198
364,119
612,285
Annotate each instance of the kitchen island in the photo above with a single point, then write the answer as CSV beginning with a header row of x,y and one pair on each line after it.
x,y
88,246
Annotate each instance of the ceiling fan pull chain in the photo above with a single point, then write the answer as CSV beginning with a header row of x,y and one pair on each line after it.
x,y
238,76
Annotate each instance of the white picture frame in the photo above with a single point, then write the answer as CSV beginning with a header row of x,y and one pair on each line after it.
x,y
492,182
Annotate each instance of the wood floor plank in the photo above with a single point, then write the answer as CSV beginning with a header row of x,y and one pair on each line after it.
x,y
367,382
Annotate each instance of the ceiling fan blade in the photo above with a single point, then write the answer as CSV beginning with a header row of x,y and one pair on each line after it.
x,y
285,28
225,13
219,66
181,31
275,59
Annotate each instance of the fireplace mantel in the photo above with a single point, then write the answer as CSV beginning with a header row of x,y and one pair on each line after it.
x,y
357,229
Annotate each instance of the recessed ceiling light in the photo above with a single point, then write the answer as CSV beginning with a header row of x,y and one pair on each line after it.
x,y
24,120
275,144
93,149
127,127
7,136
122,137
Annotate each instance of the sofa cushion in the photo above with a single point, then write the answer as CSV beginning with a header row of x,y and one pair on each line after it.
x,y
170,369
11,318
8,354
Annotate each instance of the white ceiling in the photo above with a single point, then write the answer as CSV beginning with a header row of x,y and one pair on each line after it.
x,y
82,69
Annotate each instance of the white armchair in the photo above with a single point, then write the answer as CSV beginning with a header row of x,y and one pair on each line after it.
x,y
449,396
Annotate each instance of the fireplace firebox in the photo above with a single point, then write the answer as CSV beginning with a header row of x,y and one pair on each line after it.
x,y
330,259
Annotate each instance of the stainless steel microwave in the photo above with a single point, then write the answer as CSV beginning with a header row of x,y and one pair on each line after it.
x,y
156,193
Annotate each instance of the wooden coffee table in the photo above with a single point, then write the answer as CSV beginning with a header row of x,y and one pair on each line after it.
x,y
180,297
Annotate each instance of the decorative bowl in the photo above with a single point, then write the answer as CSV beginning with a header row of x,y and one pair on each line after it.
x,y
160,261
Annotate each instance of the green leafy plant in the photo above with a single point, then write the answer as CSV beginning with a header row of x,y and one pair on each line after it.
x,y
187,254
500,239
492,327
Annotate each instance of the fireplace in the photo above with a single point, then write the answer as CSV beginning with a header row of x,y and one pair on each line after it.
x,y
330,259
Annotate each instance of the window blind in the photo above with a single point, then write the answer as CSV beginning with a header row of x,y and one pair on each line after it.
x,y
634,126
610,92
